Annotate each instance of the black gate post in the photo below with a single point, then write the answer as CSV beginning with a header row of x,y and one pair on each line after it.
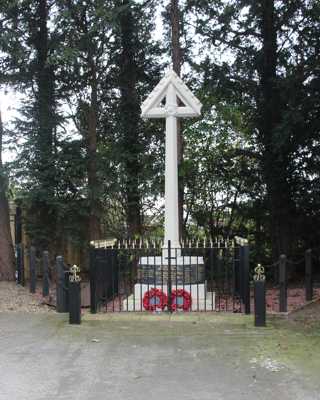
x,y
259,296
283,283
241,272
33,272
93,283
235,272
74,296
246,279
169,277
244,274
45,274
308,272
62,295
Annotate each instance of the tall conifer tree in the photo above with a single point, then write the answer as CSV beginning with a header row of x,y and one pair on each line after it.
x,y
7,269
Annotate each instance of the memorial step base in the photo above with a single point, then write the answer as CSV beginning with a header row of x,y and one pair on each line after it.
x,y
201,299
207,304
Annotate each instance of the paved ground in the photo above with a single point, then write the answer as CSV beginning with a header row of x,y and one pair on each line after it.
x,y
150,357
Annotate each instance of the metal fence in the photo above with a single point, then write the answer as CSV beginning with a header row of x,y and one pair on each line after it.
x,y
137,276
132,276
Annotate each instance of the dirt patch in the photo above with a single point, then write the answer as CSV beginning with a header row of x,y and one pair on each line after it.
x,y
295,298
308,315
14,297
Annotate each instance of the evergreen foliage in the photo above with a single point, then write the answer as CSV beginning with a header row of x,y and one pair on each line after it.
x,y
88,167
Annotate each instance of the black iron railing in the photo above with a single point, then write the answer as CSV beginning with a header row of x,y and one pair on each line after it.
x,y
152,277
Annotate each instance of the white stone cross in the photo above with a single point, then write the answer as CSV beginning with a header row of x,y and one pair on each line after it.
x,y
171,88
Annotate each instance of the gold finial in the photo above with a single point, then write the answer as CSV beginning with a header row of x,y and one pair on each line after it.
x,y
259,273
74,274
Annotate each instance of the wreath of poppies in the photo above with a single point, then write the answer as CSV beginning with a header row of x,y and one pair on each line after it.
x,y
154,299
180,300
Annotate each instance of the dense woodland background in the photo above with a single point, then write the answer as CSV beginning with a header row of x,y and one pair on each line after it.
x,y
87,166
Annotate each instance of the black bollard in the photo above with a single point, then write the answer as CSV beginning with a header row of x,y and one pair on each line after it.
x,y
19,263
308,272
259,297
45,274
23,280
62,289
33,271
74,296
283,283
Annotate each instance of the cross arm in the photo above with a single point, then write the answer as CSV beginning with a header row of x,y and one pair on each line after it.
x,y
163,112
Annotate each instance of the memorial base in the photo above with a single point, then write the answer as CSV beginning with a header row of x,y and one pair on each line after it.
x,y
184,270
201,299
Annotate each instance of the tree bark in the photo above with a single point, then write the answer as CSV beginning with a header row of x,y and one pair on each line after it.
x,y
43,213
275,156
93,185
130,121
7,264
91,128
175,36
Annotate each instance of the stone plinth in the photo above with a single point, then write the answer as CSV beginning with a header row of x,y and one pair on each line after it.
x,y
201,299
184,270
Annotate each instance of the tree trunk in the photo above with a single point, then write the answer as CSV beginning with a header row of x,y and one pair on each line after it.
x,y
7,264
93,186
130,121
43,212
275,157
177,62
175,36
91,125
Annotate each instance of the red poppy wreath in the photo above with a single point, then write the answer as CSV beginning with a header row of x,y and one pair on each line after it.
x,y
154,299
181,300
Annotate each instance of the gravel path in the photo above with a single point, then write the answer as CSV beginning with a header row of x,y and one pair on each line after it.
x,y
44,358
17,298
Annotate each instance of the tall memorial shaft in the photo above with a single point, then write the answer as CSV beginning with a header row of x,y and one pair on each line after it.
x,y
185,271
171,216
